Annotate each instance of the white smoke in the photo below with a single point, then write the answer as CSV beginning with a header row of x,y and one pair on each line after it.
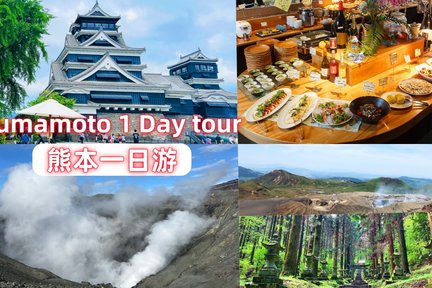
x,y
120,239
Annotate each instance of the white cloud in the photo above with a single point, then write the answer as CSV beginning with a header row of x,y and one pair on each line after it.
x,y
216,148
209,166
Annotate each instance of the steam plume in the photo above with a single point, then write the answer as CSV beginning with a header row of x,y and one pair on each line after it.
x,y
120,239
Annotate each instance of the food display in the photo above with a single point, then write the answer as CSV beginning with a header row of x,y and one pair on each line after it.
x,y
416,87
332,113
299,109
398,100
425,71
370,108
259,81
370,111
268,105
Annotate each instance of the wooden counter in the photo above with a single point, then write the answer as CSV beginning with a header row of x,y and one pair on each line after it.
x,y
389,128
290,32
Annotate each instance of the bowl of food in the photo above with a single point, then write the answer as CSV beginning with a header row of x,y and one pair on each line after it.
x,y
370,109
425,71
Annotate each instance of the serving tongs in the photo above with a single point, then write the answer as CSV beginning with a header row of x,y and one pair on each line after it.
x,y
420,104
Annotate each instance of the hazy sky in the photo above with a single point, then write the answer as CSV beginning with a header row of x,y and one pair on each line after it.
x,y
166,28
204,159
379,160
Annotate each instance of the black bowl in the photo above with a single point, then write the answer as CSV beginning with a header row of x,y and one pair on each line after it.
x,y
377,101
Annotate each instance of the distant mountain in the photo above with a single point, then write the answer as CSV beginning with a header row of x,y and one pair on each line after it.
x,y
280,183
283,178
346,179
416,182
246,174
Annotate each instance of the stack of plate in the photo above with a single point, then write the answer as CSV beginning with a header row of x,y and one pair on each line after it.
x,y
270,43
258,56
285,50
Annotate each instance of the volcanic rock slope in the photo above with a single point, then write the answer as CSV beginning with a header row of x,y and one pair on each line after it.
x,y
211,260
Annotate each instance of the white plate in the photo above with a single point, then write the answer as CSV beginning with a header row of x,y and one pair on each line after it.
x,y
337,102
420,67
411,92
408,102
250,113
285,120
429,61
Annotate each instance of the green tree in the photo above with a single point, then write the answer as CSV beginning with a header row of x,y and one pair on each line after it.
x,y
70,103
22,26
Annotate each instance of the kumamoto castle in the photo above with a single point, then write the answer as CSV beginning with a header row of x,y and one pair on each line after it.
x,y
106,78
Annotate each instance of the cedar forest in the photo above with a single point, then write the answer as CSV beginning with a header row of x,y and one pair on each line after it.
x,y
377,250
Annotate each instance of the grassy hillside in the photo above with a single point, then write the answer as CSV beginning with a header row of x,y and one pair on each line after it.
x,y
280,183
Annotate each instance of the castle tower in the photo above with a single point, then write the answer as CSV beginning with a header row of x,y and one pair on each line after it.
x,y
105,76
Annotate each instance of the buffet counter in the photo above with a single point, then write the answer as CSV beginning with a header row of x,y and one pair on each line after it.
x,y
393,125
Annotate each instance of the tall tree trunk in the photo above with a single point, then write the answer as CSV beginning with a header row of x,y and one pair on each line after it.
x,y
390,239
251,259
342,254
300,248
348,248
372,239
402,242
291,251
336,248
317,246
381,254
281,222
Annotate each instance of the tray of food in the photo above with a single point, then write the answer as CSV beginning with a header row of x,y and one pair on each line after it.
x,y
297,111
416,87
268,32
268,105
257,82
332,113
398,100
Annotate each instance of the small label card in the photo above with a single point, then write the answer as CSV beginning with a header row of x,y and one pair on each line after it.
x,y
369,87
407,59
315,76
417,52
393,58
293,74
312,51
340,82
383,81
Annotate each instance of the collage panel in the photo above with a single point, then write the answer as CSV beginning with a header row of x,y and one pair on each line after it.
x,y
334,71
346,251
139,71
119,231
335,216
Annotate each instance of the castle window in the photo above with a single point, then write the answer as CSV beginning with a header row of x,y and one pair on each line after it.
x,y
203,67
210,68
184,70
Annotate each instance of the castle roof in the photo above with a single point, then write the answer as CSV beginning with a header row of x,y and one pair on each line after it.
x,y
196,56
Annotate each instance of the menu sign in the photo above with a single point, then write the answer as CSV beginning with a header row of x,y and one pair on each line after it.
x,y
407,59
315,76
383,81
340,82
283,4
369,87
393,58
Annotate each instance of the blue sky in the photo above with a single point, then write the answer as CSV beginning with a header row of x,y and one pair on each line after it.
x,y
166,28
205,158
347,160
